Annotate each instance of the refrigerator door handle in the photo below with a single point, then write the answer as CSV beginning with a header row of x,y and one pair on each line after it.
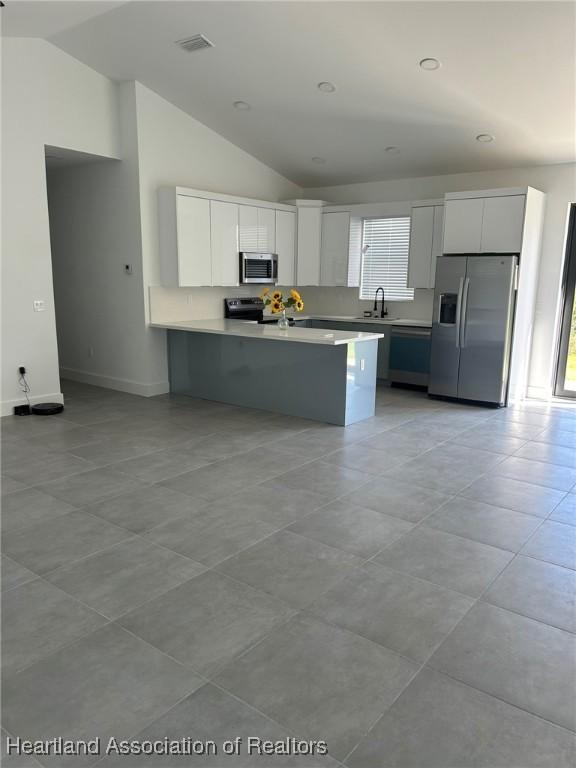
x,y
459,312
464,312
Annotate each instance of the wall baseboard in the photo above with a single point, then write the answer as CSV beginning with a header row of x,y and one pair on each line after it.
x,y
7,406
539,393
121,385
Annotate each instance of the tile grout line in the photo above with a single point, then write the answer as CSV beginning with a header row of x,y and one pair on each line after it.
x,y
322,458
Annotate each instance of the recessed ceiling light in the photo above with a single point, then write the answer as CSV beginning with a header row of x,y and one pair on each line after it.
x,y
243,106
326,87
392,150
318,160
484,138
430,64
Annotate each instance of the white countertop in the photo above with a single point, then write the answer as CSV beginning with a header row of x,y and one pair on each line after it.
x,y
368,320
253,330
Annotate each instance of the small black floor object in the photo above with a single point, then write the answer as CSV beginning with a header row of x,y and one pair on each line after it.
x,y
47,409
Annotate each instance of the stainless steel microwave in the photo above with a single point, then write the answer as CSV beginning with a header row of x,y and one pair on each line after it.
x,y
258,267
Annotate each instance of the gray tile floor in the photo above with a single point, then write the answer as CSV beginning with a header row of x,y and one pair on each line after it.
x,y
402,588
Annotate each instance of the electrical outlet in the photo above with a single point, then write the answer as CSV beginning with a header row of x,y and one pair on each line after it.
x,y
39,305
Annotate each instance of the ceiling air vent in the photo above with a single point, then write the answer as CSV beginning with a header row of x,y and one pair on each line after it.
x,y
195,43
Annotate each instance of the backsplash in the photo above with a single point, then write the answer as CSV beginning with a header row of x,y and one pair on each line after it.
x,y
345,301
167,304
170,304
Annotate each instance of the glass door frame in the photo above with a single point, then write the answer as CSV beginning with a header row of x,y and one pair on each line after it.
x,y
568,297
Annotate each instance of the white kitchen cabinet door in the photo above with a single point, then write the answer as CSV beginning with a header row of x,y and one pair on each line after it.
x,y
502,224
256,229
193,241
266,230
224,235
463,225
286,246
308,249
334,249
248,228
436,242
420,254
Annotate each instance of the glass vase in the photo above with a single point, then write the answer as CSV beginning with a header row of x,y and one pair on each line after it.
x,y
283,323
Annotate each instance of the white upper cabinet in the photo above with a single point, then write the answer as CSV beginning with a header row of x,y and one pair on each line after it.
x,y
202,233
437,238
463,225
248,228
266,230
492,224
286,246
224,238
308,249
334,250
420,255
194,253
502,224
185,248
425,245
256,229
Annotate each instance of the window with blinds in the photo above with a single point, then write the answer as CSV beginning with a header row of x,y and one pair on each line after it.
x,y
385,244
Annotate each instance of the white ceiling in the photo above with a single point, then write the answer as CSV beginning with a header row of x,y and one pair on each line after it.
x,y
508,69
43,18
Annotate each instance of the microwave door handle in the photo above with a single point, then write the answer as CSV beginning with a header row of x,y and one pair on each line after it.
x,y
459,311
464,314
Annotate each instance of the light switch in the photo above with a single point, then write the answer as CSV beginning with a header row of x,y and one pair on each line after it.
x,y
39,305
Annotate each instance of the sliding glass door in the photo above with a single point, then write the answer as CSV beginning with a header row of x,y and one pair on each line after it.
x,y
566,367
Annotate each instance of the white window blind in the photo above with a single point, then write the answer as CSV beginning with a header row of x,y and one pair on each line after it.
x,y
385,244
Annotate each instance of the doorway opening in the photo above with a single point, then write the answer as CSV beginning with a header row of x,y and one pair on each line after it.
x,y
565,385
84,261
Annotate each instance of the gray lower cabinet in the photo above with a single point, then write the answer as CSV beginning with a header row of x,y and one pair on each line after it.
x,y
403,353
383,344
409,358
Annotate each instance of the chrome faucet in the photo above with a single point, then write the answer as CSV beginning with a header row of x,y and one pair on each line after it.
x,y
383,310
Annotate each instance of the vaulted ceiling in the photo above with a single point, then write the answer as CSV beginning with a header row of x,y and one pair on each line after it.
x,y
507,69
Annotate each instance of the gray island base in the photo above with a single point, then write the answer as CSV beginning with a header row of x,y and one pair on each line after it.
x,y
334,383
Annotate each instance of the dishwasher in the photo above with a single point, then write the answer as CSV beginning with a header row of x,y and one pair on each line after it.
x,y
409,358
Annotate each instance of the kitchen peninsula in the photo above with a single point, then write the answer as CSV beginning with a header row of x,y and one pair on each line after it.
x,y
319,374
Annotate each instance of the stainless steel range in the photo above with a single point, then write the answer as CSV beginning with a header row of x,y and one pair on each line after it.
x,y
242,308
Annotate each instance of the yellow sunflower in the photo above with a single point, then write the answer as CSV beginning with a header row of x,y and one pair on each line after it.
x,y
295,295
277,306
265,292
299,305
277,296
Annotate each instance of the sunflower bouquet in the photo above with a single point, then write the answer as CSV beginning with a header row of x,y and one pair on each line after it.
x,y
278,303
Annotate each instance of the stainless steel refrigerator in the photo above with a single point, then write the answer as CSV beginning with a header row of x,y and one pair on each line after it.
x,y
472,325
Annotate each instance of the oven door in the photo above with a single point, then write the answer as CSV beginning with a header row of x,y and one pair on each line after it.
x,y
259,268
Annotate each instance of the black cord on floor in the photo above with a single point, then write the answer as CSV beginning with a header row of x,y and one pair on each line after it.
x,y
24,386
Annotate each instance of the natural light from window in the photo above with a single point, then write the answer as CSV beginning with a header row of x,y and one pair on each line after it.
x,y
385,245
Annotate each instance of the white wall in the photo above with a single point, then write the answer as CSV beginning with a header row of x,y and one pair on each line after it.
x,y
174,149
559,184
47,98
